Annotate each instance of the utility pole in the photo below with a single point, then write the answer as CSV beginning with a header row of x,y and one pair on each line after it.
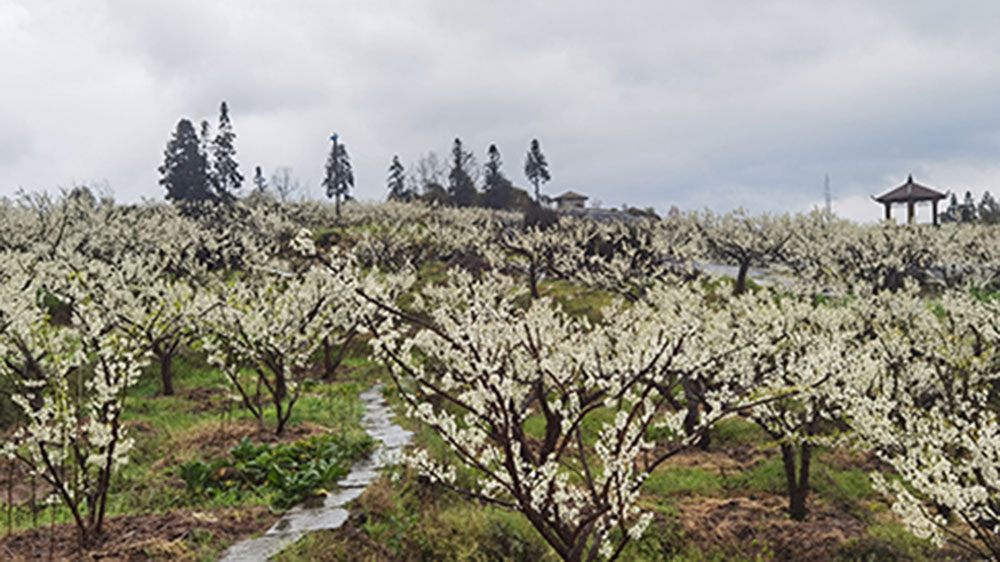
x,y
826,193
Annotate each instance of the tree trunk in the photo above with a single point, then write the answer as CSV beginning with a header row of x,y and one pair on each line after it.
x,y
798,487
167,372
282,419
693,396
741,278
327,360
533,278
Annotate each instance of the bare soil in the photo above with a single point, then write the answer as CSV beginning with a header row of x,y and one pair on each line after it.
x,y
726,461
17,487
758,524
177,535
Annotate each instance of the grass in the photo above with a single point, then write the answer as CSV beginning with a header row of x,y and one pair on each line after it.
x,y
674,480
844,488
590,427
732,432
407,520
765,476
891,542
577,300
336,406
173,427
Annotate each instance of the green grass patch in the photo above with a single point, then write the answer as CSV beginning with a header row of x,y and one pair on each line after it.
x,y
534,426
844,488
577,300
335,406
890,542
765,476
733,432
841,486
675,480
590,427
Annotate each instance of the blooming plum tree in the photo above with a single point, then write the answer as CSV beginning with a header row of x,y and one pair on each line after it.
x,y
480,366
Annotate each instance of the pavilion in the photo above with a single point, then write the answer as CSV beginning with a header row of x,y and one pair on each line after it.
x,y
910,193
570,200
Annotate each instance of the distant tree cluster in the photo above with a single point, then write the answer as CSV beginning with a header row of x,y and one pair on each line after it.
x,y
987,211
456,184
199,168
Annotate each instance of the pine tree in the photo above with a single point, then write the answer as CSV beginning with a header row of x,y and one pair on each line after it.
x,y
185,171
461,187
339,176
498,189
205,146
968,208
951,214
396,181
227,177
259,183
536,168
989,210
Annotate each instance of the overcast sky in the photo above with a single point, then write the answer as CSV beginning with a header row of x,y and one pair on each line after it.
x,y
647,102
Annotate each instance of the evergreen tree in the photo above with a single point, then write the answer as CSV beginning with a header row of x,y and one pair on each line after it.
x,y
498,189
536,168
396,181
339,176
989,210
205,146
184,172
226,176
259,183
968,208
951,214
461,187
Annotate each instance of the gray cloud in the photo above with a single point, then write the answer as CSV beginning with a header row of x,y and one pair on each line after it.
x,y
652,103
15,141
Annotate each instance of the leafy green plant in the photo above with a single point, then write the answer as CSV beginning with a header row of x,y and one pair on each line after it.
x,y
295,470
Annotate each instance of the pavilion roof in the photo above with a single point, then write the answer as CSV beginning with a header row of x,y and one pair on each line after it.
x,y
570,195
910,191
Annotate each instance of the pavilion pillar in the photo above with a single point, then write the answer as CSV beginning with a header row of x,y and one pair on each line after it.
x,y
910,214
888,210
934,211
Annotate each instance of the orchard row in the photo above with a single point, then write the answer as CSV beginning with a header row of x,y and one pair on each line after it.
x,y
882,338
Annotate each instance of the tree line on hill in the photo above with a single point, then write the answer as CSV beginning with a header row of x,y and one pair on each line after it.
x,y
987,211
435,182
201,168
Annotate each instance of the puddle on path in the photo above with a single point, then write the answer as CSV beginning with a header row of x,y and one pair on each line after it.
x,y
330,514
